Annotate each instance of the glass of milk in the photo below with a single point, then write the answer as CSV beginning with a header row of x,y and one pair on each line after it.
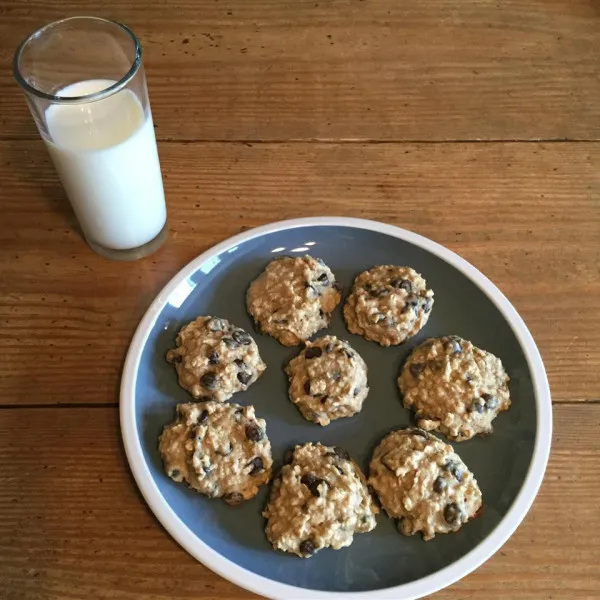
x,y
85,85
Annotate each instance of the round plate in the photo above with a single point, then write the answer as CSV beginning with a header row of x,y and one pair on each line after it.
x,y
509,464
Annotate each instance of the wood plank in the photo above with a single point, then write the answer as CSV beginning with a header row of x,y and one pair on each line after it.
x,y
74,526
525,214
347,69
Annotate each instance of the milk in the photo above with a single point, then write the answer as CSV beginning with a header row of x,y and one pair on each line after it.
x,y
105,154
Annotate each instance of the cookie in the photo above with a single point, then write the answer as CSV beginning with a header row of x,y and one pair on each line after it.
x,y
454,387
423,483
319,500
293,298
220,450
214,359
388,304
328,380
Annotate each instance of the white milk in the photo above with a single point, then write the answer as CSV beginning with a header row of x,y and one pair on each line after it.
x,y
105,154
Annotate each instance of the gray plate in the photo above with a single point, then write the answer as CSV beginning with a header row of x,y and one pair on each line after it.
x,y
215,285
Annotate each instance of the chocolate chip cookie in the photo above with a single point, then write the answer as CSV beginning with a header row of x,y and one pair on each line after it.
x,y
319,500
220,450
388,304
293,298
328,380
214,359
423,483
454,387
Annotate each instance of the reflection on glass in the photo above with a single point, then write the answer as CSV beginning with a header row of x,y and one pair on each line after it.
x,y
279,249
300,249
232,249
309,243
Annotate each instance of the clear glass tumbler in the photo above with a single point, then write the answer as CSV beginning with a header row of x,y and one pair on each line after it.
x,y
85,85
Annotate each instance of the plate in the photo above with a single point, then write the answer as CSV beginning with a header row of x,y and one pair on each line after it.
x,y
509,464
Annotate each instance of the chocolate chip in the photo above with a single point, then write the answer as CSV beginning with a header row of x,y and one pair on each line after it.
x,y
490,401
379,292
411,301
230,343
321,313
453,346
329,347
341,452
209,381
254,433
356,391
324,399
175,473
336,376
478,405
308,547
257,465
241,337
453,467
175,358
208,469
203,417
439,485
427,305
213,358
288,456
348,353
204,399
367,286
307,386
244,377
452,513
416,369
406,285
239,362
234,498
217,324
312,483
322,278
313,352
378,318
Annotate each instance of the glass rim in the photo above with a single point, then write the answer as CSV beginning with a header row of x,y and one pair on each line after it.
x,y
99,95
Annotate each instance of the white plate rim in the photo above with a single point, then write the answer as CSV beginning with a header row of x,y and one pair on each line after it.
x,y
276,590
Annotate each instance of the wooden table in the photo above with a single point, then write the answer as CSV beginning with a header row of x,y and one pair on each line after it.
x,y
475,123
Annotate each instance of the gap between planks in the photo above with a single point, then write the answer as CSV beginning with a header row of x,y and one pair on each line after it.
x,y
250,141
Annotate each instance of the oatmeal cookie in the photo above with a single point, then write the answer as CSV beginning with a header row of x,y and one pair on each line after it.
x,y
454,387
319,500
328,380
220,450
214,359
423,483
293,298
388,304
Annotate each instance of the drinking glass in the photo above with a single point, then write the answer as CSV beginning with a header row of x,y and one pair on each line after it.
x,y
84,83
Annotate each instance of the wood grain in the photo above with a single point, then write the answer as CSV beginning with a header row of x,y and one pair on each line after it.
x,y
525,214
74,526
347,69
